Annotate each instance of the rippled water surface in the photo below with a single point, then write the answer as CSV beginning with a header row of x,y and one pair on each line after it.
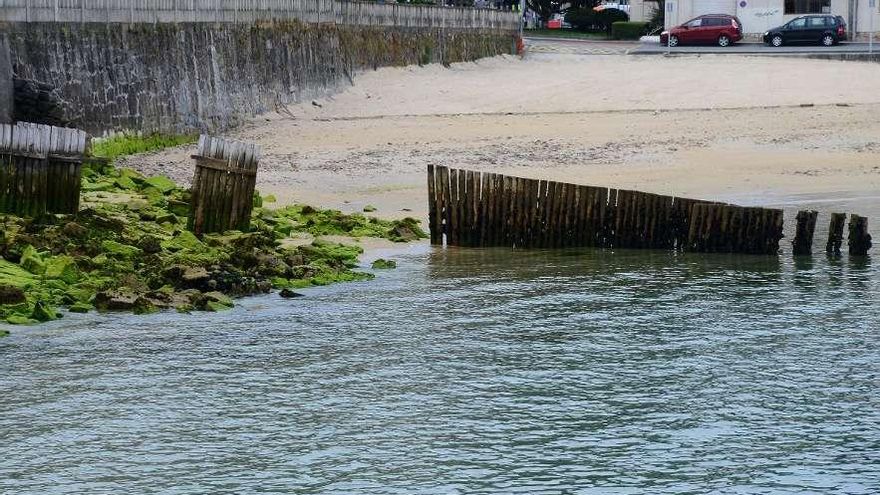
x,y
469,371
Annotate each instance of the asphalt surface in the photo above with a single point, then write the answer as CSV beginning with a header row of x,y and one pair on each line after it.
x,y
756,48
593,47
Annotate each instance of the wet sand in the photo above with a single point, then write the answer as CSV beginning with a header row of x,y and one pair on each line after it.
x,y
752,130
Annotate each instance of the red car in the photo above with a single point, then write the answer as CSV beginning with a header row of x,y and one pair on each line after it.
x,y
712,29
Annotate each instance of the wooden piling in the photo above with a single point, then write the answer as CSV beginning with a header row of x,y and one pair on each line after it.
x,y
223,185
485,209
859,238
40,169
835,233
802,244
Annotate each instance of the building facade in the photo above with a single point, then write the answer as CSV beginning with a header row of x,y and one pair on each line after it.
x,y
758,16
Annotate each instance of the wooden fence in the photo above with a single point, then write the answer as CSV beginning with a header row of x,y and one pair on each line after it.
x,y
248,11
40,169
477,209
223,185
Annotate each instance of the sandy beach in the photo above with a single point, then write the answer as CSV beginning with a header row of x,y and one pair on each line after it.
x,y
752,130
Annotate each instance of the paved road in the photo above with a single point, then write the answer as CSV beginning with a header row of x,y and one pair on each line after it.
x,y
756,48
590,47
580,47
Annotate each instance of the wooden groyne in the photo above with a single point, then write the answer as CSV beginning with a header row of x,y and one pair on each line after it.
x,y
481,209
40,169
223,185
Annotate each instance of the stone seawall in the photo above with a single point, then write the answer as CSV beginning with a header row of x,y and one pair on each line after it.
x,y
6,87
208,77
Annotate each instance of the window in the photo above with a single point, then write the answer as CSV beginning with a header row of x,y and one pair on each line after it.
x,y
715,21
695,23
818,22
807,6
798,23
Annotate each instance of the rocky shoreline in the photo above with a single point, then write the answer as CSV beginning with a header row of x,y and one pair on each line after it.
x,y
128,249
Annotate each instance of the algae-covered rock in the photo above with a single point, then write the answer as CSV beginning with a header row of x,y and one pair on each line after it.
x,y
183,240
150,244
75,230
115,300
195,275
289,294
160,183
11,295
4,332
32,261
179,208
166,218
63,268
216,307
44,312
143,306
270,198
119,250
219,298
406,230
125,183
80,307
20,320
369,209
383,264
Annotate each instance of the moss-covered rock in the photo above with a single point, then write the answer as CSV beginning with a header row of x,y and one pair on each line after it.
x,y
383,264
128,250
9,294
160,183
119,250
32,261
20,320
44,312
63,268
80,307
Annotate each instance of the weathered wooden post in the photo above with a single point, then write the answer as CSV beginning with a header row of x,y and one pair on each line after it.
x,y
835,233
40,168
223,185
6,86
803,237
859,238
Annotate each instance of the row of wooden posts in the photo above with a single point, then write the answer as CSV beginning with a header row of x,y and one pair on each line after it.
x,y
41,172
480,209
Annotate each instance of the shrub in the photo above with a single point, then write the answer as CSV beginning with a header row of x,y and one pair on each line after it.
x,y
628,30
581,19
607,17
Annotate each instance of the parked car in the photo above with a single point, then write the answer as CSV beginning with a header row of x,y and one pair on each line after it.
x,y
825,29
720,29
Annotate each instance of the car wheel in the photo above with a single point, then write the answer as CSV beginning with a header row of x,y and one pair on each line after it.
x,y
828,40
673,41
776,41
723,40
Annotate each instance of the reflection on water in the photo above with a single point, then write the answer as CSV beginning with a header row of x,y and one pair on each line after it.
x,y
469,371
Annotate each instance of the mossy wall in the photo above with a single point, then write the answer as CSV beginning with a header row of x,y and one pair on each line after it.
x,y
182,78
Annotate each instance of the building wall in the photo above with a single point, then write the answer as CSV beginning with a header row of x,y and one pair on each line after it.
x,y
758,16
868,18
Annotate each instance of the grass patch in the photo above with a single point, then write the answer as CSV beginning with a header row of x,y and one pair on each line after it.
x,y
129,144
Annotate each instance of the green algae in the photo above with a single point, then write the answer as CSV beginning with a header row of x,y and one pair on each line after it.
x,y
128,144
383,264
128,249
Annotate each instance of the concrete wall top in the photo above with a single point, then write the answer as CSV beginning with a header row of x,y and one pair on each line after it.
x,y
310,11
